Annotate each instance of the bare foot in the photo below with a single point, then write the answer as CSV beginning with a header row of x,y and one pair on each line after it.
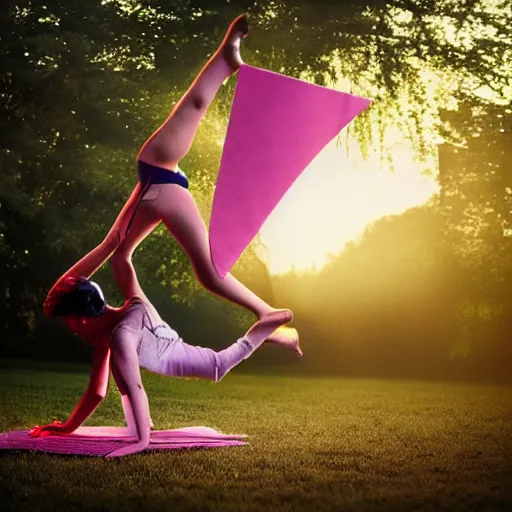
x,y
287,337
267,324
230,46
282,316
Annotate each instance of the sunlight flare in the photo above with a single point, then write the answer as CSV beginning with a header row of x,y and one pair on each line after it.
x,y
335,198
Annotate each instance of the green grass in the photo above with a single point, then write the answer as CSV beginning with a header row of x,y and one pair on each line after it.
x,y
315,444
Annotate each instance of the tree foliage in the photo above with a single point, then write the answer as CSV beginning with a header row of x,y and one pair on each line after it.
x,y
84,83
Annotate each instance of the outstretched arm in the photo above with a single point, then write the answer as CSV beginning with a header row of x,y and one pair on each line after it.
x,y
91,262
93,396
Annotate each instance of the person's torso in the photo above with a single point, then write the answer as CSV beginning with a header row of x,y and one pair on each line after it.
x,y
151,337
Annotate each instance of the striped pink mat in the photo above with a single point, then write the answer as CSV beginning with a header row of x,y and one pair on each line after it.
x,y
100,441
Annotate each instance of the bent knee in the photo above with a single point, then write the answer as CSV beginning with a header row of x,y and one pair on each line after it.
x,y
208,278
205,271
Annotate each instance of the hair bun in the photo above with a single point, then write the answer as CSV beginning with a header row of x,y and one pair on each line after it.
x,y
86,300
81,298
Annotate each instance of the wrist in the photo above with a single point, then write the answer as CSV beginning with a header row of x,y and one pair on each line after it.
x,y
113,240
145,437
68,427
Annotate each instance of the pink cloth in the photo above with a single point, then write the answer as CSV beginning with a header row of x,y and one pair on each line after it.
x,y
276,128
100,441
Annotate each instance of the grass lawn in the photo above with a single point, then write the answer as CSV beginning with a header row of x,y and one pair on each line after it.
x,y
315,444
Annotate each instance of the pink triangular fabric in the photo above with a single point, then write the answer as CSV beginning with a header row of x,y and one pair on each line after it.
x,y
277,126
100,441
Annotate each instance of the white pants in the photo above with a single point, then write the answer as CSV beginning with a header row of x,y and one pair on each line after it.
x,y
167,354
162,351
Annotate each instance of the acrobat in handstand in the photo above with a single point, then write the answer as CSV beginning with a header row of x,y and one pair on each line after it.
x,y
134,335
161,195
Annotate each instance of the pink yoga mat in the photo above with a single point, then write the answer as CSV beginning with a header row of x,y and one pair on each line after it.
x,y
277,126
100,441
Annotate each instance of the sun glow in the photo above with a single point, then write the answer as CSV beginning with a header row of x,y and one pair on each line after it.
x,y
335,198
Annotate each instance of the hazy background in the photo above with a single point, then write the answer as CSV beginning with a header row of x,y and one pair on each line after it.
x,y
394,246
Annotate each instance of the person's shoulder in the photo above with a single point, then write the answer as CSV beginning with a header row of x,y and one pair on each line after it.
x,y
126,317
135,300
150,309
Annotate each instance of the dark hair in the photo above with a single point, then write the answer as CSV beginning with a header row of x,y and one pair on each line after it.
x,y
74,296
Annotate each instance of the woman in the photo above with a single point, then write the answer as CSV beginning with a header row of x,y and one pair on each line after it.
x,y
134,335
162,191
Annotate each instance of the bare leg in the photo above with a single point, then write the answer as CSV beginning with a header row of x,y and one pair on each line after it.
x,y
287,337
173,204
184,360
170,143
181,216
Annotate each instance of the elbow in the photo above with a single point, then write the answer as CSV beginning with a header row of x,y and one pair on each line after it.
x,y
98,394
120,257
99,390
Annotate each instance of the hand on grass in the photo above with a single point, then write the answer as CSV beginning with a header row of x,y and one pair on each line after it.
x,y
51,429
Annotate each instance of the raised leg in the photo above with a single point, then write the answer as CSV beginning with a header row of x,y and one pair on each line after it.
x,y
170,143
177,208
182,218
173,204
191,361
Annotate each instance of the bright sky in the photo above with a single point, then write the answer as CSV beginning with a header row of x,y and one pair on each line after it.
x,y
335,198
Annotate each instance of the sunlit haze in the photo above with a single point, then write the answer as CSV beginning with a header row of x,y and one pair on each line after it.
x,y
335,198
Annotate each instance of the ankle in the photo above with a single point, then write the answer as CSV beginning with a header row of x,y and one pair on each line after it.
x,y
230,46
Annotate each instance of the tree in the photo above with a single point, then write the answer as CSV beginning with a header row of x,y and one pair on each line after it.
x,y
84,83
